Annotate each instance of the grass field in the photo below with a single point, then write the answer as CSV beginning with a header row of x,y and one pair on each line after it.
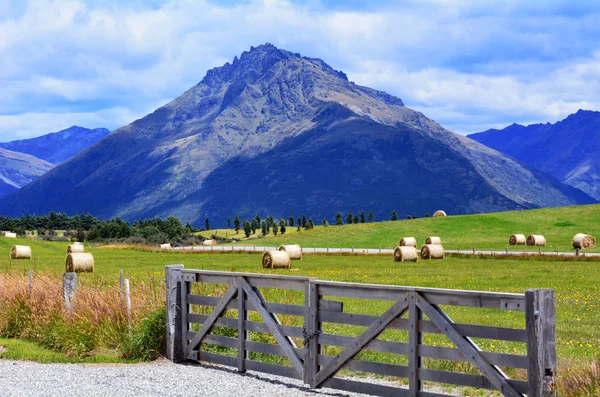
x,y
483,231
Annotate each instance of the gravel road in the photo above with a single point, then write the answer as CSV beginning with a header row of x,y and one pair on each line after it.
x,y
159,378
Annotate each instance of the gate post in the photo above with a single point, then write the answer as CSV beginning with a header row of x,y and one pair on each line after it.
x,y
173,282
540,325
311,346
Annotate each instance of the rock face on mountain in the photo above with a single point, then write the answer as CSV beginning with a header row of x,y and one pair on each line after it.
x,y
569,150
275,132
60,146
19,169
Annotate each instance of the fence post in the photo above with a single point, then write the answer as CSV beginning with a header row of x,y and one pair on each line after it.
x,y
242,333
415,339
69,288
174,327
540,325
312,356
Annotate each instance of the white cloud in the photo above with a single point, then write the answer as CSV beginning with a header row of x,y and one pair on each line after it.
x,y
462,63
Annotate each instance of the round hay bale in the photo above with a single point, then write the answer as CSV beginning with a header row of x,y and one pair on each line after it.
x,y
536,240
75,248
432,251
517,239
294,251
276,260
433,240
583,241
20,252
406,254
10,235
439,213
165,246
209,242
81,262
408,242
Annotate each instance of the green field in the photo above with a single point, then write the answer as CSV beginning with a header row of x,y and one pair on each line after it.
x,y
577,283
482,231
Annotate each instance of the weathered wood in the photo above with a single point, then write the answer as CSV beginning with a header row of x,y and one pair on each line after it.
x,y
252,326
476,331
285,342
540,322
175,334
375,345
365,388
278,370
467,347
462,379
210,322
312,325
30,285
242,333
186,287
215,358
258,347
499,359
377,327
415,339
69,289
372,367
277,308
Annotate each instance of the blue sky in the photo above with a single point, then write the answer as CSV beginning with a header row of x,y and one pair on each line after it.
x,y
470,65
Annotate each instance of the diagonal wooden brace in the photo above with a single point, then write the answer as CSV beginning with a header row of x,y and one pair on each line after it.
x,y
273,324
210,321
467,347
377,327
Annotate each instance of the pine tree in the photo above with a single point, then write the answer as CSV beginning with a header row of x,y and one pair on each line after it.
x,y
349,218
394,215
324,222
247,228
237,224
370,216
304,221
309,224
207,225
275,229
363,217
338,219
264,228
258,220
282,229
291,220
355,219
299,228
253,226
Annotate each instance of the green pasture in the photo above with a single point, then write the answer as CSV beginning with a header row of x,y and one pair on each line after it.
x,y
482,231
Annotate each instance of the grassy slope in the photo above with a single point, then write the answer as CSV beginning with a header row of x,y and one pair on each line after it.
x,y
483,231
577,283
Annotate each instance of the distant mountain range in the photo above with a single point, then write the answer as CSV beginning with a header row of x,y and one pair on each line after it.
x,y
275,132
60,146
568,150
19,169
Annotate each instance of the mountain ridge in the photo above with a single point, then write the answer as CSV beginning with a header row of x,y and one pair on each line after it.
x,y
240,119
19,169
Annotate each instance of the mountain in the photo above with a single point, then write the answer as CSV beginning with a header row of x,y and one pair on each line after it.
x,y
19,169
60,146
275,132
569,150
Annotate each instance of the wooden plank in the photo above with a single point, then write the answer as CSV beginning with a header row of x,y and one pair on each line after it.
x,y
377,327
258,347
253,326
285,342
467,347
279,308
365,388
216,358
500,359
415,340
214,273
331,306
185,309
312,325
242,333
273,369
476,331
175,333
372,367
462,379
216,313
375,345
540,320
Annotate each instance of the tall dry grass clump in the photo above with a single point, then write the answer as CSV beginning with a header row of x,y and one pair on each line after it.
x,y
98,320
579,379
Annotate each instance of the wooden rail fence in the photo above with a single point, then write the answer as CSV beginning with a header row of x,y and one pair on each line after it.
x,y
412,310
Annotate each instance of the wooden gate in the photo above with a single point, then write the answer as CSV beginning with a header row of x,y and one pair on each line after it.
x,y
415,311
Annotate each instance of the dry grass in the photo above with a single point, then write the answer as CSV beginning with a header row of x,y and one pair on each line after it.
x,y
580,379
98,321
